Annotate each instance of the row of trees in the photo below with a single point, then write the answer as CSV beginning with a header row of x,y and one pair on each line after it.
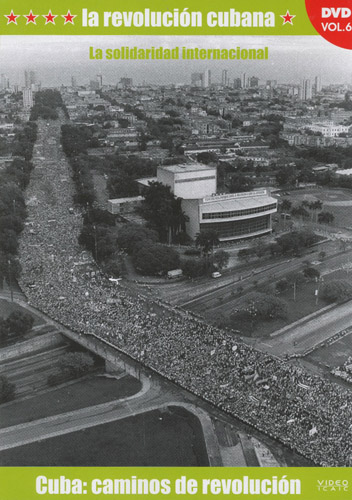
x,y
16,324
149,257
46,104
123,170
99,235
163,210
308,209
75,141
13,181
152,258
209,260
70,366
259,306
7,389
292,243
332,180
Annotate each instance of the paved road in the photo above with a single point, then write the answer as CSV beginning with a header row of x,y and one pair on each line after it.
x,y
208,301
300,338
151,397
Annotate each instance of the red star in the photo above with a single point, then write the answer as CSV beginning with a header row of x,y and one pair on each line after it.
x,y
12,18
287,18
31,18
50,18
69,18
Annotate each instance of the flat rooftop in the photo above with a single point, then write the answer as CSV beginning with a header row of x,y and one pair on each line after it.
x,y
236,201
186,167
126,200
144,181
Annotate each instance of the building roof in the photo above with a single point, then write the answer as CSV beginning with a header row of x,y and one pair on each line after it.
x,y
186,167
126,200
144,181
237,201
346,171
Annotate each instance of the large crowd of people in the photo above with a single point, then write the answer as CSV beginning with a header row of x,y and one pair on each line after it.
x,y
311,415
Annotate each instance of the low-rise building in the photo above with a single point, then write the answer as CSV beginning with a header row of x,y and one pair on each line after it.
x,y
124,205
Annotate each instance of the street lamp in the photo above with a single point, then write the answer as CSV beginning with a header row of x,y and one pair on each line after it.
x,y
316,292
95,242
10,279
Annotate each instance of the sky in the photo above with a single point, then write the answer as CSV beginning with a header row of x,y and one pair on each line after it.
x,y
57,58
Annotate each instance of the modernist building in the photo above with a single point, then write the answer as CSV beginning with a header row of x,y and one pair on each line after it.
x,y
27,98
305,90
232,216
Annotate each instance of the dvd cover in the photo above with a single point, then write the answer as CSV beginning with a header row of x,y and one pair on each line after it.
x,y
175,249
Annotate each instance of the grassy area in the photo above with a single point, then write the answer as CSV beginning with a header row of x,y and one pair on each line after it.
x,y
328,196
343,215
81,394
303,305
169,438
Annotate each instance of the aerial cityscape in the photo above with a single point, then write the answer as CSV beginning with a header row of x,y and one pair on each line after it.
x,y
175,269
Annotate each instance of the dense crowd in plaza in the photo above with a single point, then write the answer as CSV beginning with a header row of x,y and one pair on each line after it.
x,y
309,414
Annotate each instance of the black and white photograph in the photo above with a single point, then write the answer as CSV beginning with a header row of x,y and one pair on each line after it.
x,y
175,251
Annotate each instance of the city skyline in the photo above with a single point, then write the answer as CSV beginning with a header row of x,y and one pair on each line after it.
x,y
290,60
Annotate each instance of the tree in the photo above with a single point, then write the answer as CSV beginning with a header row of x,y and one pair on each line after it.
x,y
266,306
153,259
326,218
123,122
100,239
245,254
76,363
4,330
221,259
194,268
282,285
132,235
300,212
8,242
316,205
294,277
98,216
113,267
206,240
19,322
12,200
11,222
240,183
258,306
285,205
206,157
164,211
311,273
287,176
7,389
337,291
295,241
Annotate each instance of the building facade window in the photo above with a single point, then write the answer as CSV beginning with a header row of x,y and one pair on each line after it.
x,y
238,213
239,228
